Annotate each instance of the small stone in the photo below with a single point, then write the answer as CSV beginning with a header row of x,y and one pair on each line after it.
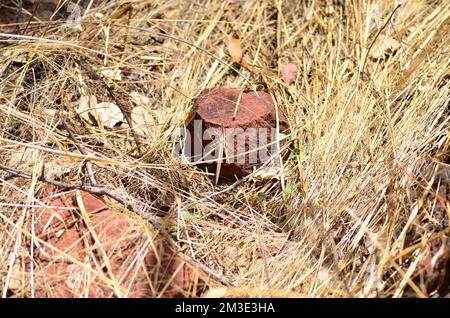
x,y
236,126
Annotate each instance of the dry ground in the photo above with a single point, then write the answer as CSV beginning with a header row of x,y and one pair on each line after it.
x,y
361,207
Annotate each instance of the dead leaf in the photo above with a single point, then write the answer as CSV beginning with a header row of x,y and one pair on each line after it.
x,y
289,73
112,74
143,121
140,99
50,112
235,49
105,113
25,158
84,107
384,45
109,114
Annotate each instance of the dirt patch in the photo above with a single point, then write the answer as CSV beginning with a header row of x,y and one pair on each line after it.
x,y
100,254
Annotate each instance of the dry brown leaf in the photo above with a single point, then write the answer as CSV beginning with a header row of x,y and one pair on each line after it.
x,y
143,121
24,158
289,73
84,107
112,74
140,99
235,49
108,114
384,45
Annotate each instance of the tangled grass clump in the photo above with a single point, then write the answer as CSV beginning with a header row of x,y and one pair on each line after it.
x,y
361,206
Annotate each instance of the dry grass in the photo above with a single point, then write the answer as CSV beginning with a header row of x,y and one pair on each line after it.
x,y
364,211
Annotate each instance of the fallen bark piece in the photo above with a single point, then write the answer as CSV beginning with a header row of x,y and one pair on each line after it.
x,y
233,129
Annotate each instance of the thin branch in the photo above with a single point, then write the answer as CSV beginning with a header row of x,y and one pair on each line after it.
x,y
377,35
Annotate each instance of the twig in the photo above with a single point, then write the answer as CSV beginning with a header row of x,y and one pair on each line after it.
x,y
104,191
377,35
19,13
33,14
